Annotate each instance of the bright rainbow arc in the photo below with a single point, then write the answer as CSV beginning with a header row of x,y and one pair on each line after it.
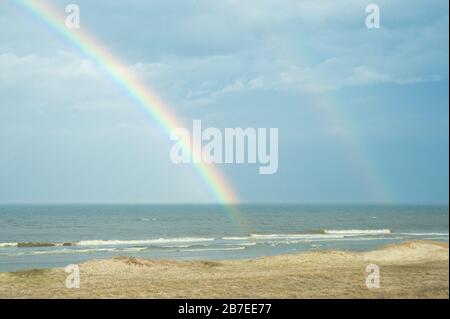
x,y
133,87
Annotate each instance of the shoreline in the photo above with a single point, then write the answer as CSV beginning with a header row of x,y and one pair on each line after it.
x,y
413,269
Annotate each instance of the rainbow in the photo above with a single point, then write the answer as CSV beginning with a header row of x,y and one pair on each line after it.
x,y
140,93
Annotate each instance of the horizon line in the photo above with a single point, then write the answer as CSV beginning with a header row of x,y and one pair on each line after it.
x,y
236,204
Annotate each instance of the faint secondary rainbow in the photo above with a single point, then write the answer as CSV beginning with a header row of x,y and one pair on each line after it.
x,y
133,87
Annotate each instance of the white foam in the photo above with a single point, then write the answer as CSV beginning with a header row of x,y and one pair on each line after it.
x,y
212,249
235,238
70,251
326,235
425,234
143,241
356,232
350,238
272,237
135,249
8,244
243,244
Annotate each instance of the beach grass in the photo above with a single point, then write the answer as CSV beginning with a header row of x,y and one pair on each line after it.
x,y
408,270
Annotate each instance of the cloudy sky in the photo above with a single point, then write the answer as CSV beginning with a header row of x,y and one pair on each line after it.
x,y
362,113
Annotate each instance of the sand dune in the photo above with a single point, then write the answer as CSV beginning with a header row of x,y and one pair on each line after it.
x,y
412,252
408,270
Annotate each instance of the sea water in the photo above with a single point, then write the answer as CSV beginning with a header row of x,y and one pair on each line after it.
x,y
41,236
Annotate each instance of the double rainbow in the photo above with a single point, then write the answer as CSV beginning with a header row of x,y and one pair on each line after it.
x,y
141,94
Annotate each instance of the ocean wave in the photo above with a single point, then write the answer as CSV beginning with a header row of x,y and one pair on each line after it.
x,y
71,251
142,241
134,249
290,242
213,249
76,251
8,244
235,238
356,232
312,234
424,234
108,242
35,244
293,236
203,242
242,244
60,252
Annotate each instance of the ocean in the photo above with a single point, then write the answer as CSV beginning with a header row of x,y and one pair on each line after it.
x,y
42,236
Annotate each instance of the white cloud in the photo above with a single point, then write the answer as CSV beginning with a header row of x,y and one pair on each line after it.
x,y
211,49
63,79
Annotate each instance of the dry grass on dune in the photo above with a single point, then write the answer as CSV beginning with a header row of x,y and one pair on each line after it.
x,y
409,270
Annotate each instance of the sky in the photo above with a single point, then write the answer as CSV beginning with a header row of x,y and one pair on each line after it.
x,y
362,113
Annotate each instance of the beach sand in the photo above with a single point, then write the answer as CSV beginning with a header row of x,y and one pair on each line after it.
x,y
408,270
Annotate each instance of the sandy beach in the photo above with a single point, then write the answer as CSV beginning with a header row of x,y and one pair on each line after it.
x,y
416,269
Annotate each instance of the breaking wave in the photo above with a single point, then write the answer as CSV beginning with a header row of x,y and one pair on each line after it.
x,y
356,232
